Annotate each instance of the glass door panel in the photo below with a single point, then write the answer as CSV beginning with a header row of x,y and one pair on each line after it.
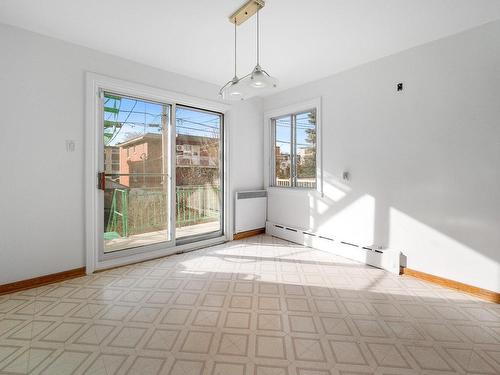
x,y
135,181
199,167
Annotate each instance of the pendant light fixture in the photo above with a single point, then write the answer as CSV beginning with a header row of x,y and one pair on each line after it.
x,y
258,80
233,90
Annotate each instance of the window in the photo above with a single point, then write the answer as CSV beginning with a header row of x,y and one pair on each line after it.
x,y
294,150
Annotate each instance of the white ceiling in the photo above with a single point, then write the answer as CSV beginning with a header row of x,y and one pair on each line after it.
x,y
302,40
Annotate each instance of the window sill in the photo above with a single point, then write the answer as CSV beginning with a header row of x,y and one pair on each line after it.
x,y
292,190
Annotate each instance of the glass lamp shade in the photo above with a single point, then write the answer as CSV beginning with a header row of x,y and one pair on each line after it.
x,y
233,90
259,79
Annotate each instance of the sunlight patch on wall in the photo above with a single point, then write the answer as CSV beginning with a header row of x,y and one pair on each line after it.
x,y
353,223
333,189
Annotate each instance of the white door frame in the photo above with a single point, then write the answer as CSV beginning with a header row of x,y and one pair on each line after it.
x,y
95,84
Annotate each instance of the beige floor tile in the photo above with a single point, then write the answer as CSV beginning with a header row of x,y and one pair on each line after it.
x,y
241,302
271,322
146,366
117,313
302,324
162,339
206,318
428,358
27,361
105,364
197,342
221,368
270,370
308,350
176,316
336,326
388,355
66,363
260,306
270,347
233,344
146,315
187,367
269,303
62,333
237,320
128,337
347,352
95,334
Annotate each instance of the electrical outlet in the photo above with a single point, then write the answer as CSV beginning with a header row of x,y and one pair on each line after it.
x,y
346,176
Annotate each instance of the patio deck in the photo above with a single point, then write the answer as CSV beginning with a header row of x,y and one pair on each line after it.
x,y
149,238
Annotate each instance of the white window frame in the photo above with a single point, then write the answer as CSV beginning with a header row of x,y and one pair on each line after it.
x,y
95,84
313,104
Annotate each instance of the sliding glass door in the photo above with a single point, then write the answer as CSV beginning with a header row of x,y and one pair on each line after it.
x,y
162,174
135,178
199,177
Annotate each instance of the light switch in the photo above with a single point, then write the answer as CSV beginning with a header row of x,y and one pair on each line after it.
x,y
70,145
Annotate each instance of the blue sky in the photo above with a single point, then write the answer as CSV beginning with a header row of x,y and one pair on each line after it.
x,y
141,117
283,132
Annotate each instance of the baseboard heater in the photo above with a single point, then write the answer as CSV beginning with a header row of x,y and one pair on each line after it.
x,y
387,259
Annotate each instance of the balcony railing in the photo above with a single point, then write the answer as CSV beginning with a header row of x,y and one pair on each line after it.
x,y
143,210
203,161
309,183
197,204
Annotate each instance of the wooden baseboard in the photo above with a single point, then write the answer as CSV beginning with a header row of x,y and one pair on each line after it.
x,y
249,233
41,280
485,294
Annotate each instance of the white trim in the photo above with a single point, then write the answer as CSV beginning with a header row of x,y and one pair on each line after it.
x,y
172,157
91,165
294,108
94,84
153,93
228,201
143,256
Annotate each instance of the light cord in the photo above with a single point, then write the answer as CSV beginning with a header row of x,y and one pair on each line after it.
x,y
258,47
235,47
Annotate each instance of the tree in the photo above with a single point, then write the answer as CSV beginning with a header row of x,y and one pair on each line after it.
x,y
307,167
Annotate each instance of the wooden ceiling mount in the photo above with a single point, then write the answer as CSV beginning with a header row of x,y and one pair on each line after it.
x,y
246,11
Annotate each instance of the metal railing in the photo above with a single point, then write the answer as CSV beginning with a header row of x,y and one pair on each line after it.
x,y
118,218
143,210
197,204
301,183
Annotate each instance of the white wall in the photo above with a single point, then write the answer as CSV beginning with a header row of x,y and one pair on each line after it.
x,y
425,163
41,106
246,144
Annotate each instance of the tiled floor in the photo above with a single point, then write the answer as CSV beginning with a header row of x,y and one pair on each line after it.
x,y
260,306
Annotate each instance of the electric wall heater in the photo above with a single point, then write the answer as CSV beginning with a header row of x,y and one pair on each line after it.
x,y
250,210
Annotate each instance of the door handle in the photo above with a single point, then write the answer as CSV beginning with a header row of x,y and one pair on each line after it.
x,y
101,181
